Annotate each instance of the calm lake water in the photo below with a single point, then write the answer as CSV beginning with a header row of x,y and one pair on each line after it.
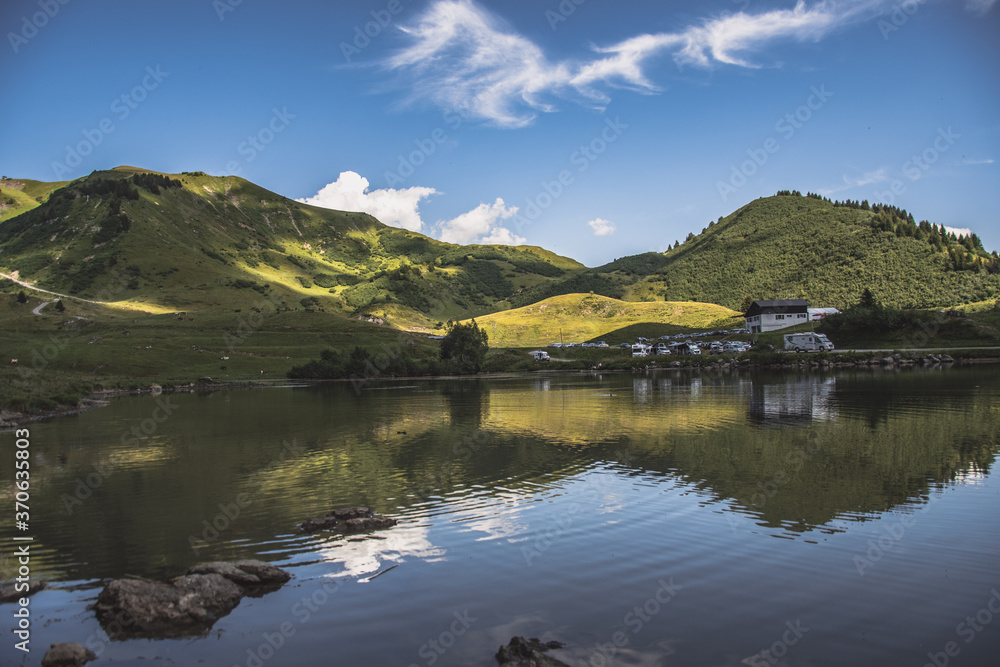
x,y
848,518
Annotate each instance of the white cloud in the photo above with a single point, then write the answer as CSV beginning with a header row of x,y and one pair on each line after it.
x,y
959,231
867,178
481,225
399,208
974,161
602,227
979,7
463,58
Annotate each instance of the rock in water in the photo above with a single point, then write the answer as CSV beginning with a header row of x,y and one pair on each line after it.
x,y
348,520
245,572
188,605
363,525
133,607
521,652
67,655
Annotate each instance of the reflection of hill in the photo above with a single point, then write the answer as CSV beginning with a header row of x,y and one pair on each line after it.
x,y
294,454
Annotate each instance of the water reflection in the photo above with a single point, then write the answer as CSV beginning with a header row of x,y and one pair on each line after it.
x,y
478,450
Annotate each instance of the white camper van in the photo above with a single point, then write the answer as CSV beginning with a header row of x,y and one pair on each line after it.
x,y
808,342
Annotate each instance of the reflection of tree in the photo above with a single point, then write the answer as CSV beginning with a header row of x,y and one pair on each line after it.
x,y
467,401
391,446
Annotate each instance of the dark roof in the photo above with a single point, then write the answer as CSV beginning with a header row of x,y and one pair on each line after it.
x,y
778,306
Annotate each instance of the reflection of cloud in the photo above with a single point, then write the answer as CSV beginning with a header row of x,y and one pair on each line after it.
x,y
499,519
367,556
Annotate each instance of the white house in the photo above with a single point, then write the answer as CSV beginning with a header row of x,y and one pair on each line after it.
x,y
776,314
816,314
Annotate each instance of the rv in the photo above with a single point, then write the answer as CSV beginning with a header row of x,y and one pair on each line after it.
x,y
540,355
640,350
808,342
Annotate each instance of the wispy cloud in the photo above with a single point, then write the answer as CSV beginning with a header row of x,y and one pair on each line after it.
x,y
602,227
854,182
969,160
979,7
463,57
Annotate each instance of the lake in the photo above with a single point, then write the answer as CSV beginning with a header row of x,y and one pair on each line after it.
x,y
668,518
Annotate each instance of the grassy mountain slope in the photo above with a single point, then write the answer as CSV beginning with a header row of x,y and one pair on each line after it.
x,y
790,246
192,241
20,196
583,317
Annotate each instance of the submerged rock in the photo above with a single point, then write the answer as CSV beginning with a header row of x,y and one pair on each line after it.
x,y
363,525
189,605
10,592
348,520
67,655
521,652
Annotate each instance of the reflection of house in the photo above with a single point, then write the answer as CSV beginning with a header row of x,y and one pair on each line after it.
x,y
794,401
816,314
776,314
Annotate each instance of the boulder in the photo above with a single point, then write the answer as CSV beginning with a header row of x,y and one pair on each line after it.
x,y
67,655
10,593
189,605
247,573
521,652
348,520
946,359
363,525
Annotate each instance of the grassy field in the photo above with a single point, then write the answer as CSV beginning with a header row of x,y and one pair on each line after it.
x,y
585,317
62,357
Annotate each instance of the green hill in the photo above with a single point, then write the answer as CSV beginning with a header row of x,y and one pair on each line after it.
x,y
20,196
793,246
585,317
164,242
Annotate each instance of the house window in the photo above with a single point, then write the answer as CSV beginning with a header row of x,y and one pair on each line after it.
x,y
779,317
802,316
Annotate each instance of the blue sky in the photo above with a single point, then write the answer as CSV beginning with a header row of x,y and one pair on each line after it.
x,y
592,128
